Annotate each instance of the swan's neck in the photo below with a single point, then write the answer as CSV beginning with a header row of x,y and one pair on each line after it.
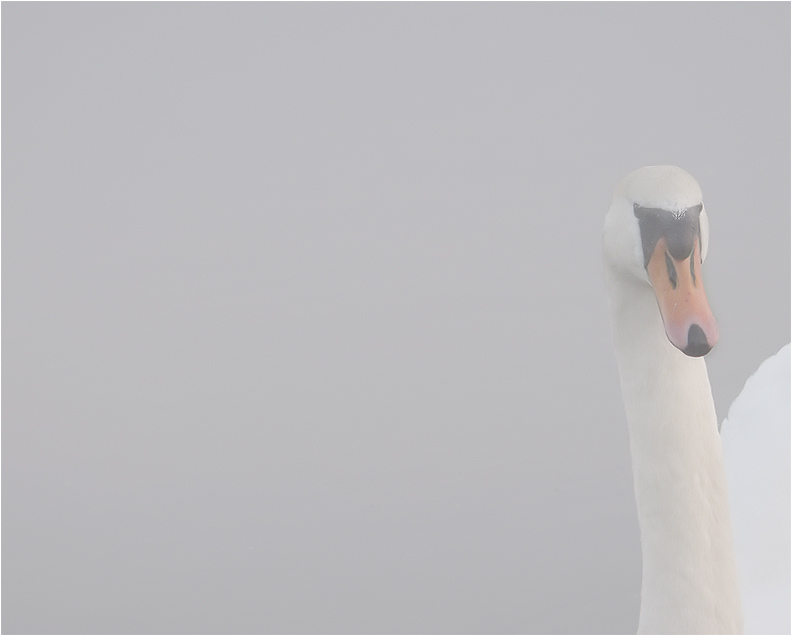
x,y
689,582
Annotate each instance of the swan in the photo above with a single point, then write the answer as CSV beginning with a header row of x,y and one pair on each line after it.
x,y
655,240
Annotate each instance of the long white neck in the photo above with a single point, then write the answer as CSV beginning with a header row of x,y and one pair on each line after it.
x,y
689,582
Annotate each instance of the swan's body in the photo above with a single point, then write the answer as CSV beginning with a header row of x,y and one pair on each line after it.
x,y
689,581
756,443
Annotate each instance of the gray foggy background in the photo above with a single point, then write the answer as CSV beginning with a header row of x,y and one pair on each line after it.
x,y
304,320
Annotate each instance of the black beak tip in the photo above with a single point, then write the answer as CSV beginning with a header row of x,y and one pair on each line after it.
x,y
697,345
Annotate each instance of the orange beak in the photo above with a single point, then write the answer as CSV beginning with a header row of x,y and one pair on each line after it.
x,y
687,318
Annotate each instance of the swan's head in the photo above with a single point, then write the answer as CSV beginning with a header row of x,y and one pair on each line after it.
x,y
656,232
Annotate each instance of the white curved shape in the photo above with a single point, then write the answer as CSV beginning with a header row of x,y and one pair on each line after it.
x,y
756,443
690,574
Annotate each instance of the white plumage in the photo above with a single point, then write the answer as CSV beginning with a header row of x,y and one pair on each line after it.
x,y
756,447
692,582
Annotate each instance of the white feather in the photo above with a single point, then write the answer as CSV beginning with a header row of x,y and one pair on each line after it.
x,y
756,444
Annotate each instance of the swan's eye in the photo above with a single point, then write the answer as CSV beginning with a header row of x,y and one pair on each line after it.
x,y
672,275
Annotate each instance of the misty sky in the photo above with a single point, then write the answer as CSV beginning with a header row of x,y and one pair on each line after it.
x,y
304,320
